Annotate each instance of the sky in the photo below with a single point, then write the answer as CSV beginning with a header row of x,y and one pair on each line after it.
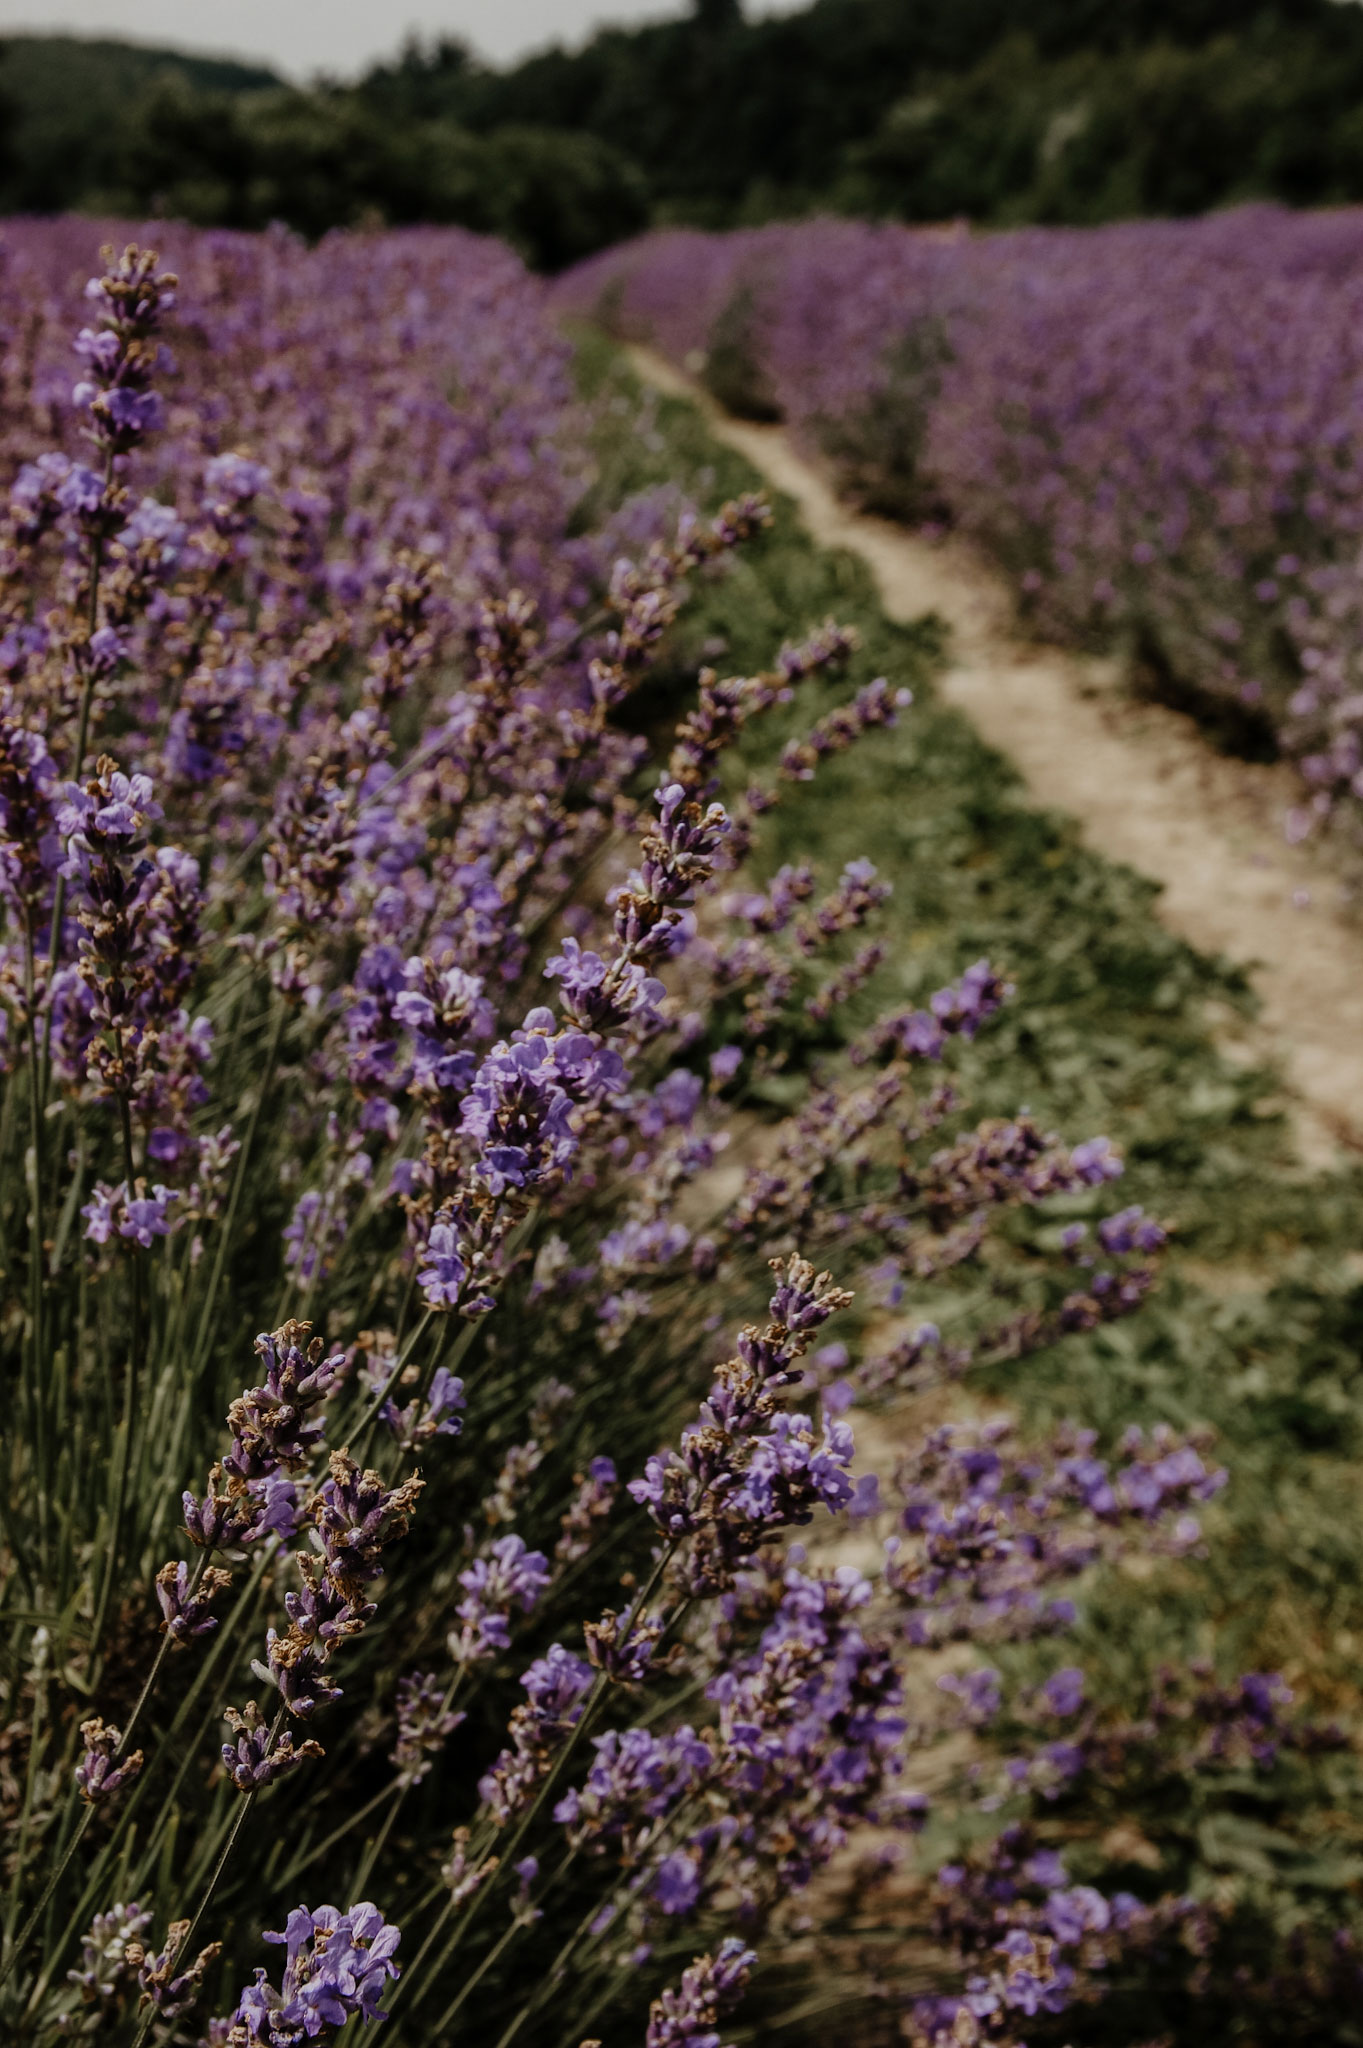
x,y
301,37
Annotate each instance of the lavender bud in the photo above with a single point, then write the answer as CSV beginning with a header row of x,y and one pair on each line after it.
x,y
252,1760
98,1777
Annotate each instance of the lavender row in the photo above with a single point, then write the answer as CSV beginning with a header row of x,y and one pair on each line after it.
x,y
1155,428
361,969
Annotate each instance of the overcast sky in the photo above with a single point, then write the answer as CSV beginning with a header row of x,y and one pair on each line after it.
x,y
299,37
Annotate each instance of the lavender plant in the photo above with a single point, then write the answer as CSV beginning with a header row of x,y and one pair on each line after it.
x,y
372,981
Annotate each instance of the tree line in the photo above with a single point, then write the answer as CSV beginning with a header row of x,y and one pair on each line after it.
x,y
1001,111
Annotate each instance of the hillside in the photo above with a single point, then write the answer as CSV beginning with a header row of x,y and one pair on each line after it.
x,y
110,127
992,110
65,109
1066,109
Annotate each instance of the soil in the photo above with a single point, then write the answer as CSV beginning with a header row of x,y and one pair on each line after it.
x,y
1141,781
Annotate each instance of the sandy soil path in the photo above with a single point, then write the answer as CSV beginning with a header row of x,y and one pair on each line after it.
x,y
1143,784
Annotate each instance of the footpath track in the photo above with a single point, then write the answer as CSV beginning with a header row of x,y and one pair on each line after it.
x,y
1143,784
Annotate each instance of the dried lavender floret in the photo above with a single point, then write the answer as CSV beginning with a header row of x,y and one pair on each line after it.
x,y
98,1775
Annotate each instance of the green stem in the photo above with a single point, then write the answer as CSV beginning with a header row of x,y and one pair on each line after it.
x,y
30,1783
30,1926
553,1976
129,1424
580,2026
338,1834
130,1808
370,1416
162,1649
238,1182
402,1788
472,1982
474,1905
148,1685
206,1896
374,1849
37,1246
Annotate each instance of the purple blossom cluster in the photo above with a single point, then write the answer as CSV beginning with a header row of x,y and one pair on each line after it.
x,y
274,1435
335,1968
688,2016
1034,1938
985,1526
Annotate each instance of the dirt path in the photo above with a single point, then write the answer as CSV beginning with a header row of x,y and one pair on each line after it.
x,y
1144,785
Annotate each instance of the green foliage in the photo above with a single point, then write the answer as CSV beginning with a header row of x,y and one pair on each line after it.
x,y
994,109
65,108
1094,137
321,160
199,142
733,369
878,451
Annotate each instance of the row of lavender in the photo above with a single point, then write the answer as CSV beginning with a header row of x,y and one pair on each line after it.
x,y
1157,428
367,979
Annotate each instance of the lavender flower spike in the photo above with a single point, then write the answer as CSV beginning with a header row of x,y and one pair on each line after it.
x,y
252,1761
98,1777
185,1614
686,2018
335,1967
170,1990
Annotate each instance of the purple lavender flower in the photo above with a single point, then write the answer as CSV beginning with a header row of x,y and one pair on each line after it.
x,y
253,1759
420,1422
444,1273
508,1575
335,1968
1063,1692
1072,1914
357,1516
589,1508
1131,1230
725,1063
518,1109
425,1724
98,1775
147,1215
556,1686
689,2016
104,1951
978,1694
185,1614
295,1662
742,1472
637,1775
676,1883
120,354
269,1423
164,1985
29,845
1095,1162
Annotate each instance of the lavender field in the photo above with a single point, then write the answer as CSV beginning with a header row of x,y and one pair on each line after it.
x,y
1155,428
602,1437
